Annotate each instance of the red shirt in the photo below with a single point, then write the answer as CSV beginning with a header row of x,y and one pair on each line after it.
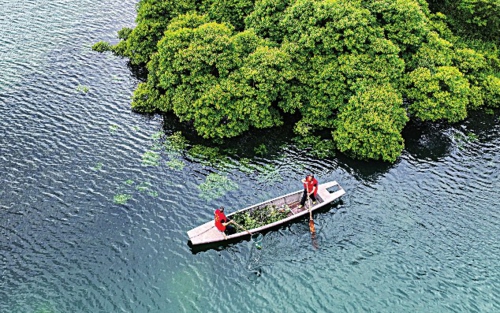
x,y
309,185
220,218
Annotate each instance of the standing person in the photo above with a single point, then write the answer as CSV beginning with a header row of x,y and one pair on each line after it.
x,y
222,223
310,189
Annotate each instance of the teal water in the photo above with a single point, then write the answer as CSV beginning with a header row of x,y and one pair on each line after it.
x,y
421,235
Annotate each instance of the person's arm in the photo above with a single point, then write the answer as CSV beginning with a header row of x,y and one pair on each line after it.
x,y
315,187
313,190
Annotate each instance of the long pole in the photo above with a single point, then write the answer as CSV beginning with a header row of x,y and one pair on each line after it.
x,y
242,227
311,221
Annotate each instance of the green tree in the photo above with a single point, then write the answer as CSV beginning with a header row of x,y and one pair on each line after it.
x,y
370,125
336,46
153,17
491,89
440,95
266,17
231,12
222,83
226,67
475,18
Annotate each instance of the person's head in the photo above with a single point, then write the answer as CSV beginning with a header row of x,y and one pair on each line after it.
x,y
309,177
221,209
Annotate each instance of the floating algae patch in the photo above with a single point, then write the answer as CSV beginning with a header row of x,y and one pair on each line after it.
x,y
462,140
175,143
45,308
150,158
143,187
82,88
245,166
157,135
176,164
121,198
129,182
113,128
156,147
268,173
207,155
98,167
472,137
261,150
216,186
316,146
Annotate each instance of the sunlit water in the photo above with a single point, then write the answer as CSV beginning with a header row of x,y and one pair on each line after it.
x,y
421,235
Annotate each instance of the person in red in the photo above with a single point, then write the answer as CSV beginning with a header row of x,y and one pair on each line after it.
x,y
310,189
222,223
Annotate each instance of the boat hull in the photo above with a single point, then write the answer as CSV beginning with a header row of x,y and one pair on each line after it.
x,y
207,233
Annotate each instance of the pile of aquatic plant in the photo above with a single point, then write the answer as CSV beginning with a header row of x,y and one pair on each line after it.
x,y
261,216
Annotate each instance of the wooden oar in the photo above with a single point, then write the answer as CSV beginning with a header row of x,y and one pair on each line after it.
x,y
311,221
311,226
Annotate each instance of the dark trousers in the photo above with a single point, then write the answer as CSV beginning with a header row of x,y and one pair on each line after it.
x,y
230,230
304,197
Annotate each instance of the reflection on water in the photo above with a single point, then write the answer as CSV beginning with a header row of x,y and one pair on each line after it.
x,y
95,200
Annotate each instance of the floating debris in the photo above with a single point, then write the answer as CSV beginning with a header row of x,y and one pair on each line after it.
x,y
82,88
150,158
121,198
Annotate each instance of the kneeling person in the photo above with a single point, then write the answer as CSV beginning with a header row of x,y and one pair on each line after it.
x,y
222,223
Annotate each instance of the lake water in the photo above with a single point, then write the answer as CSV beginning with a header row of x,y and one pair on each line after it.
x,y
421,235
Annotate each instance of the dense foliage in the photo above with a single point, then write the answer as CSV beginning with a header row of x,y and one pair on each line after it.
x,y
360,69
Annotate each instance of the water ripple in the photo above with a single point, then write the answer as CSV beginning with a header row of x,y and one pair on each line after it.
x,y
419,235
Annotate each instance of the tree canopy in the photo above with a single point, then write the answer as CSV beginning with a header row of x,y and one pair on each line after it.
x,y
361,69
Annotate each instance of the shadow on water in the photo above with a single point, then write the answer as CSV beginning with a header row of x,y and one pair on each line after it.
x,y
244,145
366,171
434,141
423,141
484,126
139,72
427,141
269,144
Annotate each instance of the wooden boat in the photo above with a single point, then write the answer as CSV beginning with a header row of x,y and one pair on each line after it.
x,y
327,193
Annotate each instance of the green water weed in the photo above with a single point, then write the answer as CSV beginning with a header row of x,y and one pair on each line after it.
x,y
175,142
261,150
472,137
82,88
98,167
143,187
176,164
157,135
216,186
150,158
121,198
113,128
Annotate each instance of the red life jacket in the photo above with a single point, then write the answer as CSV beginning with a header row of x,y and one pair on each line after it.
x,y
220,218
309,185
